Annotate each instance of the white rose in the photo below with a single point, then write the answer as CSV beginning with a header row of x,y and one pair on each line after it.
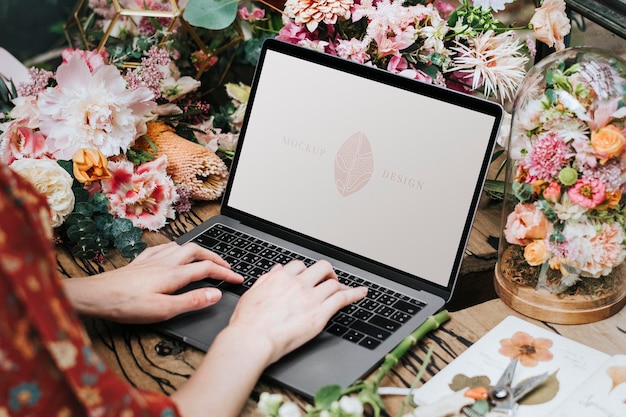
x,y
50,180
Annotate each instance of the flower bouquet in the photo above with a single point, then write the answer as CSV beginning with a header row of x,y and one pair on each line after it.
x,y
124,134
463,47
74,134
565,210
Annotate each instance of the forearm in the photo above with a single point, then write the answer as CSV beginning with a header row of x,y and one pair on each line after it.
x,y
86,295
227,375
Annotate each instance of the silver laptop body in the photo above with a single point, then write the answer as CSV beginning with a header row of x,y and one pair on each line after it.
x,y
379,174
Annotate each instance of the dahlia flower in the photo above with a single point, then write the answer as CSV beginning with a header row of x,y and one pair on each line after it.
x,y
312,12
145,196
92,110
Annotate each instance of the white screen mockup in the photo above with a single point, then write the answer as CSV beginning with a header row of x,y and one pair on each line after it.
x,y
414,163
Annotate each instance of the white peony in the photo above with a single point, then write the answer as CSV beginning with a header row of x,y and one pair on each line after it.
x,y
50,180
92,110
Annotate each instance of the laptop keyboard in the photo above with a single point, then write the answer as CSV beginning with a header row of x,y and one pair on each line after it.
x,y
367,322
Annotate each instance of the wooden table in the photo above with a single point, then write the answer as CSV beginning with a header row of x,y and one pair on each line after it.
x,y
151,361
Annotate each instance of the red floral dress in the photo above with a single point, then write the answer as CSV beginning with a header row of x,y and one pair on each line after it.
x,y
47,365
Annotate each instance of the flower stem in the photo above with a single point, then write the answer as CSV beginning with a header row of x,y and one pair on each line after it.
x,y
392,358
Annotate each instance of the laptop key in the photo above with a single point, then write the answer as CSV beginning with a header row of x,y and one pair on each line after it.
x,y
408,308
353,336
336,329
369,343
385,323
370,330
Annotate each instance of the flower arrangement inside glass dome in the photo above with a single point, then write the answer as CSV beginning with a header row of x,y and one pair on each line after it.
x,y
565,230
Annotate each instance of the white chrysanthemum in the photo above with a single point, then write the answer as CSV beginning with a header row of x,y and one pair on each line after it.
x,y
312,12
50,180
92,110
495,62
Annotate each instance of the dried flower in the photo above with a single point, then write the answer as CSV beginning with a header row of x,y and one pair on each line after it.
x,y
527,349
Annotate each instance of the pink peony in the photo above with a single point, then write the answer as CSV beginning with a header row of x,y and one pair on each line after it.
x,y
587,192
525,224
93,59
93,111
146,196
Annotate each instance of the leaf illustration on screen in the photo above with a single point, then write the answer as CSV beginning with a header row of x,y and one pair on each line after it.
x,y
354,164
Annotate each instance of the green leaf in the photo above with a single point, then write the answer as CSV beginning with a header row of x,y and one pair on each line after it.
x,y
326,395
131,251
211,14
121,226
83,208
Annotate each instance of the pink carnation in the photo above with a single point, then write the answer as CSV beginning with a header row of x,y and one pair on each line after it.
x,y
20,141
146,196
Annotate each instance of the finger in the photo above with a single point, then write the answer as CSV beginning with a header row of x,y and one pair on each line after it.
x,y
192,300
264,276
342,298
193,252
319,271
196,271
294,267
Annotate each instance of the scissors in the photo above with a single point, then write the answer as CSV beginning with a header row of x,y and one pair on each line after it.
x,y
504,397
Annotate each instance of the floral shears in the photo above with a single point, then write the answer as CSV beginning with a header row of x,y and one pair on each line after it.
x,y
504,397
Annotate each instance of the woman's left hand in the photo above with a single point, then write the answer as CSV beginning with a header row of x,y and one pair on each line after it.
x,y
142,291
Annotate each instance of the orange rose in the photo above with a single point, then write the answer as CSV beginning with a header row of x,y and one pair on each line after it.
x,y
536,253
90,165
551,24
608,142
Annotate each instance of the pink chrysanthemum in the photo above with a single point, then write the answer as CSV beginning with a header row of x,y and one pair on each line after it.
x,y
145,196
548,155
587,192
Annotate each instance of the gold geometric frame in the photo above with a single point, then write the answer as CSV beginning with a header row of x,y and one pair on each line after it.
x,y
176,14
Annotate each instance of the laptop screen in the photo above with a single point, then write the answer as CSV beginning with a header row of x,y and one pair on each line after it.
x,y
382,172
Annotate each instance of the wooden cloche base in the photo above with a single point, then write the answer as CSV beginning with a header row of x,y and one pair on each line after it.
x,y
557,309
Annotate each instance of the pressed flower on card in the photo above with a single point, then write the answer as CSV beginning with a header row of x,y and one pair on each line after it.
x,y
527,349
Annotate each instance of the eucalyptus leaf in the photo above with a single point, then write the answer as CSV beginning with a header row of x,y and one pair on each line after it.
x,y
131,251
83,208
211,14
121,226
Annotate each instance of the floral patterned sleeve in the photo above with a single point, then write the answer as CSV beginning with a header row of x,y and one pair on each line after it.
x,y
47,364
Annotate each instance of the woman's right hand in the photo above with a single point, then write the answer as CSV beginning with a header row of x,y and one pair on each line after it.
x,y
291,304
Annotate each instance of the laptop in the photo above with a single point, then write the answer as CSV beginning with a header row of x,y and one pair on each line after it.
x,y
377,173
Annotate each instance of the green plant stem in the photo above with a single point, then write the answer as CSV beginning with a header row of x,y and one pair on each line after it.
x,y
392,358
409,397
